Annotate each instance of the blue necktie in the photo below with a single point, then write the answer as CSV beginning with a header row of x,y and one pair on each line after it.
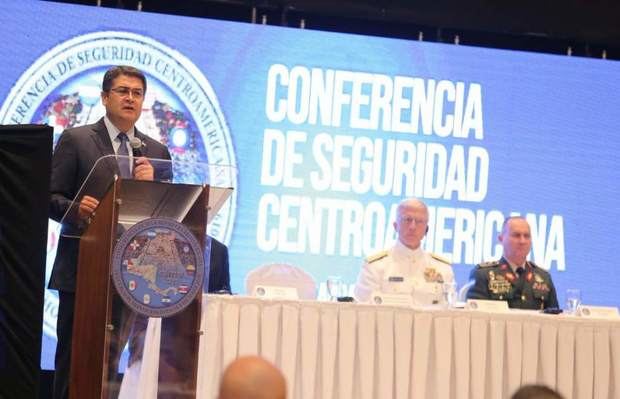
x,y
123,161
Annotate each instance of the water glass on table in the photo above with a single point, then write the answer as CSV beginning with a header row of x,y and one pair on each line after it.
x,y
573,300
334,287
449,294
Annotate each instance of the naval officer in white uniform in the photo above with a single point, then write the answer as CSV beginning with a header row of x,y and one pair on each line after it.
x,y
406,268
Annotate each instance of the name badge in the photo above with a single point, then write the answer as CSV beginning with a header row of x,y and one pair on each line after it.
x,y
486,305
396,279
381,298
275,292
598,312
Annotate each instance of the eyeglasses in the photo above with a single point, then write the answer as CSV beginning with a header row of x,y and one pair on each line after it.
x,y
410,220
126,91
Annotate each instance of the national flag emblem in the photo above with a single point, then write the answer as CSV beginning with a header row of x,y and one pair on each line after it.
x,y
146,299
132,285
190,269
183,289
165,300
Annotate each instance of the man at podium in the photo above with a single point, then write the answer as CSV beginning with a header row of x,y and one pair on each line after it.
x,y
219,270
78,149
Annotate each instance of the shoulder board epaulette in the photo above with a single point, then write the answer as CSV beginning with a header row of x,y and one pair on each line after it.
x,y
534,265
538,268
491,263
440,258
376,257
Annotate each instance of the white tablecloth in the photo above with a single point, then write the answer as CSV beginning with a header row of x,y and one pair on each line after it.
x,y
341,350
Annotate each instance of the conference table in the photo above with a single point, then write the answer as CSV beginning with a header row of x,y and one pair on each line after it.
x,y
347,350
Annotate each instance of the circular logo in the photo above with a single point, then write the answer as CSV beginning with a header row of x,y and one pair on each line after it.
x,y
158,267
62,89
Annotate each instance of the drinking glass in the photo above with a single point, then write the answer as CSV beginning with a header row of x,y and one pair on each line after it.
x,y
334,287
449,294
573,300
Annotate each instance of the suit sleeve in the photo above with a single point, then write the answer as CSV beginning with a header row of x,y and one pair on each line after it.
x,y
480,289
64,175
224,271
552,302
156,150
219,271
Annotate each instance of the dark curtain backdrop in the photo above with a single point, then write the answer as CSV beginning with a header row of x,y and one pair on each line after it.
x,y
25,163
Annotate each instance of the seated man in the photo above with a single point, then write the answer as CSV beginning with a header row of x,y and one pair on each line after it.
x,y
513,278
219,273
406,268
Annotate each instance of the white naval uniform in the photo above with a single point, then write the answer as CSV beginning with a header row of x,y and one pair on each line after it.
x,y
401,270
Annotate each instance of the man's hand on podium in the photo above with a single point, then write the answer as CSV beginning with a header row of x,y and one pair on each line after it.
x,y
143,169
87,207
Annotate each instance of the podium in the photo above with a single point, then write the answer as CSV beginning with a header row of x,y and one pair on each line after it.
x,y
140,256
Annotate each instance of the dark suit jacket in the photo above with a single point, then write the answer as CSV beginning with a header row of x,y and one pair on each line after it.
x,y
78,149
219,273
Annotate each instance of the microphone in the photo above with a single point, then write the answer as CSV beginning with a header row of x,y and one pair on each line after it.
x,y
136,146
136,149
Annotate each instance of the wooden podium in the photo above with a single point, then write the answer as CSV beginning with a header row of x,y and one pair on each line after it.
x,y
103,323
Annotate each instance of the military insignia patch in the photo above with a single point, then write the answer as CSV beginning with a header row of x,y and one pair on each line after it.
x,y
432,276
498,284
543,287
492,263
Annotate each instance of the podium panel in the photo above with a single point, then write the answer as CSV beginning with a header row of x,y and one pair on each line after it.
x,y
141,255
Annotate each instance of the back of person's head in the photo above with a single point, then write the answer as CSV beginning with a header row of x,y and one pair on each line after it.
x,y
536,392
252,377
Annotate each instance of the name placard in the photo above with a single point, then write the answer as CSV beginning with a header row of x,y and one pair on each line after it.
x,y
487,305
380,298
275,292
598,312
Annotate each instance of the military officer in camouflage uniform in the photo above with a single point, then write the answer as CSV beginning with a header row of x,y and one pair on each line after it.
x,y
513,278
406,268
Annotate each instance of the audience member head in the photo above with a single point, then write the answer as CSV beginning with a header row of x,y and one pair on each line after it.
x,y
536,392
252,377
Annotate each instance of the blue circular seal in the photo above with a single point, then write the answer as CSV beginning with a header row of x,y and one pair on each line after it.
x,y
158,267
